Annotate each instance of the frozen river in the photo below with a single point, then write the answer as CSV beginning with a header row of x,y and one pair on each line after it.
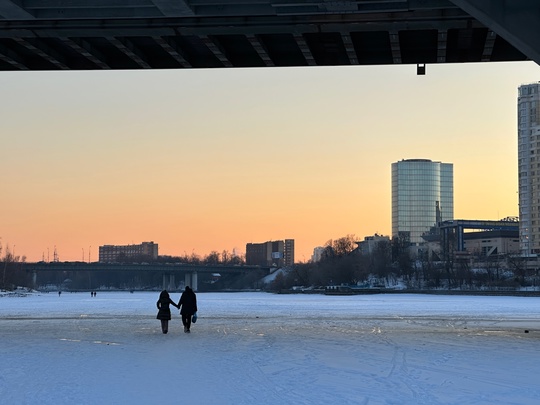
x,y
258,348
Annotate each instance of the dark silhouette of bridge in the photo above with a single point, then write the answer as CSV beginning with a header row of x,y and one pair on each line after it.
x,y
167,271
170,34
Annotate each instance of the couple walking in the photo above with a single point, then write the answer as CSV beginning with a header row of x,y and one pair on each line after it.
x,y
188,310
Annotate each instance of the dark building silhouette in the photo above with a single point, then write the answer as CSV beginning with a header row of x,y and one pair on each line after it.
x,y
273,253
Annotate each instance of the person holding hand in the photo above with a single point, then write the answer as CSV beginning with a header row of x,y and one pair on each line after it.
x,y
164,311
188,302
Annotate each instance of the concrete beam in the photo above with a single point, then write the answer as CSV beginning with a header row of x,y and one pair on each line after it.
x,y
65,9
130,50
394,44
217,50
304,48
517,21
488,46
85,49
442,41
173,50
178,8
44,52
349,48
10,57
260,49
13,10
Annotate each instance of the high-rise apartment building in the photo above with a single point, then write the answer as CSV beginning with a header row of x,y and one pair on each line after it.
x,y
422,196
273,253
529,168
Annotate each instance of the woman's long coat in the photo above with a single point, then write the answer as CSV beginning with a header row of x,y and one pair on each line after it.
x,y
164,312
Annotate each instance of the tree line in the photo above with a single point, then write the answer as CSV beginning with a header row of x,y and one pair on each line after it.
x,y
390,264
11,267
13,274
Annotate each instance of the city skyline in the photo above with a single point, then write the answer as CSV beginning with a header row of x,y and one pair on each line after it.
x,y
210,160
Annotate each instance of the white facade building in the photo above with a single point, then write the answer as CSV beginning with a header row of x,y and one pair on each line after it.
x,y
369,244
317,254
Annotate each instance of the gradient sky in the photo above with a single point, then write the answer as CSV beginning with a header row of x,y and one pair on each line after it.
x,y
202,160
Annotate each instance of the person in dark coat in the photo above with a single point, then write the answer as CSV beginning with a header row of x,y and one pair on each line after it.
x,y
164,312
188,302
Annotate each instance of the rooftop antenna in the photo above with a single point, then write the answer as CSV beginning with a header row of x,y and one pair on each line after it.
x,y
55,255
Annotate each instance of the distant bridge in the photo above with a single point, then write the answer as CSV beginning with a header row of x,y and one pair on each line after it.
x,y
171,34
167,271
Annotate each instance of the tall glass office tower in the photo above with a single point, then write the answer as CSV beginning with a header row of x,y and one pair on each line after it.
x,y
422,196
529,167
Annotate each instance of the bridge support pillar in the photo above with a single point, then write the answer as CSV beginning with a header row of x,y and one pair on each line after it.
x,y
191,280
169,282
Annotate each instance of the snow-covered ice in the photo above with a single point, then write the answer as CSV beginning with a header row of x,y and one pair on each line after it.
x,y
259,348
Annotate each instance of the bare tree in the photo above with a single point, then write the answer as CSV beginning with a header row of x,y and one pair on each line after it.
x,y
339,247
12,272
212,258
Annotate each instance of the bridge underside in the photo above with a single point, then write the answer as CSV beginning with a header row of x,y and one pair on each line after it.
x,y
171,34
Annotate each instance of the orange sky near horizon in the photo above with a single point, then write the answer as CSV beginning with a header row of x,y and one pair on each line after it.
x,y
203,160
